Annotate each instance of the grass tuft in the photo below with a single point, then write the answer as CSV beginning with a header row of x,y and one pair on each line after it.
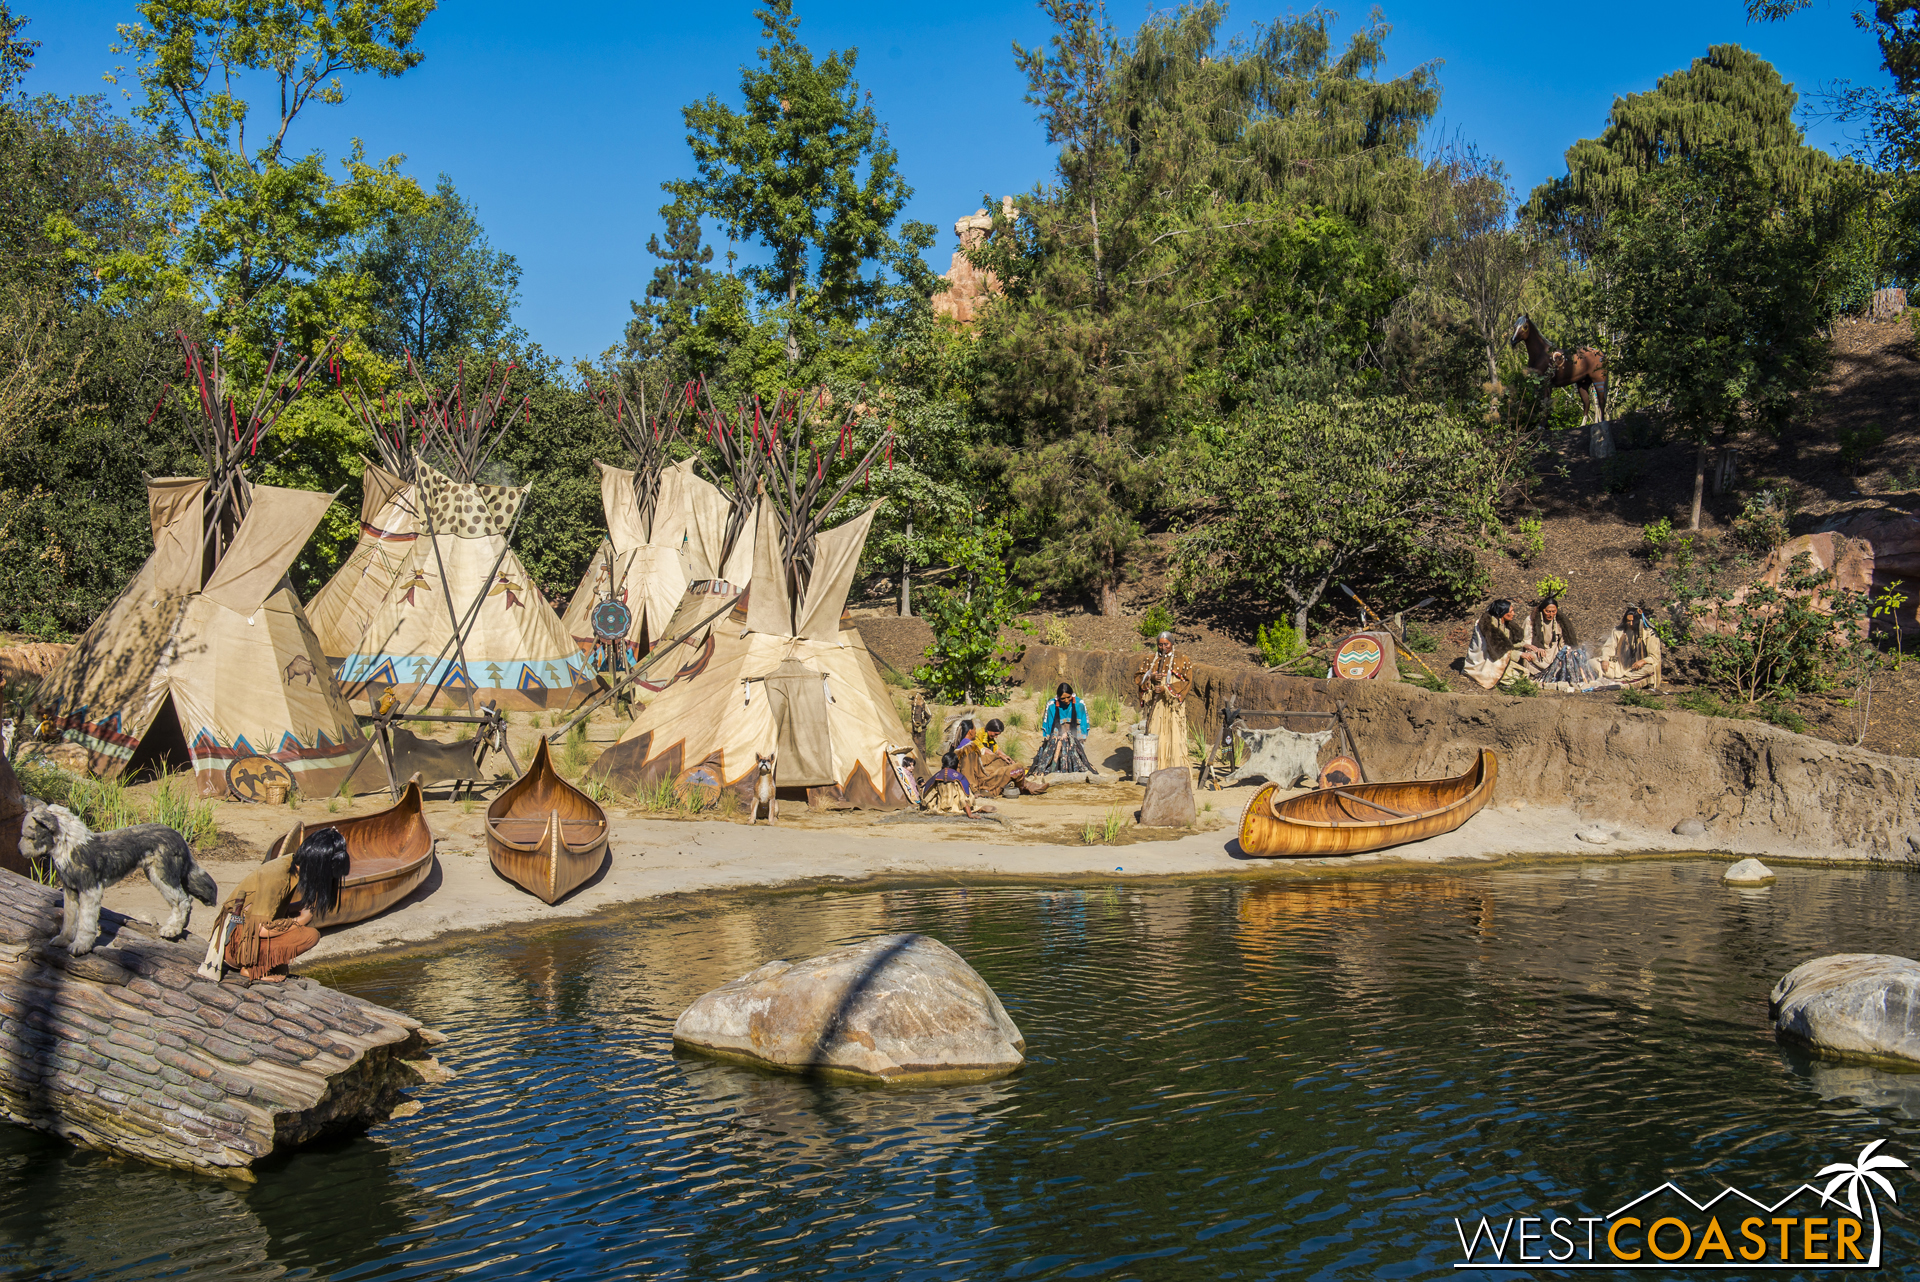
x,y
177,805
573,753
1635,698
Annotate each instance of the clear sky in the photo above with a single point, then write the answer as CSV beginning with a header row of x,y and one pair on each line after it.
x,y
560,120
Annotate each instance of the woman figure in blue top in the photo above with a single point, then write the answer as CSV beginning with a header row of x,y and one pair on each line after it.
x,y
1065,726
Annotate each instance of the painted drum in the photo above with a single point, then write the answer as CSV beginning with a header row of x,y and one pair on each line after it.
x,y
250,778
1358,657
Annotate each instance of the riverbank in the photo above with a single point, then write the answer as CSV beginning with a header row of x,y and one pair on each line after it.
x,y
655,858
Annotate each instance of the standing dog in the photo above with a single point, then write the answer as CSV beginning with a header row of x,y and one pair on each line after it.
x,y
763,794
88,862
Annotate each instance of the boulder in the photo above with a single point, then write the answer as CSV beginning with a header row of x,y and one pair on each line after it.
x,y
1690,828
1857,1005
1748,872
1594,835
1169,799
894,1008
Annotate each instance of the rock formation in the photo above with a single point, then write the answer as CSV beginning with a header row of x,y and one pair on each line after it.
x,y
893,1008
1169,799
1857,1005
968,286
1748,872
128,1050
1760,788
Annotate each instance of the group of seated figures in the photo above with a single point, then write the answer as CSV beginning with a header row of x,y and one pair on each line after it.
x,y
1544,647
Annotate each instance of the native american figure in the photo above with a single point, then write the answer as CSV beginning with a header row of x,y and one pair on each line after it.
x,y
1163,679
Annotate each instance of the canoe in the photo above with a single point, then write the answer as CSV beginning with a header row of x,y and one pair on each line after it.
x,y
1366,816
545,834
392,853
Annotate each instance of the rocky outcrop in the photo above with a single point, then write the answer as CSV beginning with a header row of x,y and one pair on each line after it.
x,y
128,1050
1894,541
968,286
30,662
891,1009
1857,1005
1168,802
1759,788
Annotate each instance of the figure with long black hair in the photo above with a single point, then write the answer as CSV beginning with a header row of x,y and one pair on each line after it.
x,y
277,902
1065,726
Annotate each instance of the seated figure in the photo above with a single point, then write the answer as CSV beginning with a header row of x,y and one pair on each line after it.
x,y
1556,658
1065,726
947,791
988,770
1631,655
1495,654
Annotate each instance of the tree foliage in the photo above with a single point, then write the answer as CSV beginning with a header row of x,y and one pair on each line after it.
x,y
1306,495
970,659
439,286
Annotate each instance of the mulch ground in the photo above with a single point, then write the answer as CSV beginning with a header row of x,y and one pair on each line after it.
x,y
1592,539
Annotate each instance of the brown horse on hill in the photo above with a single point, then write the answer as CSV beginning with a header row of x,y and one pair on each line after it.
x,y
1584,370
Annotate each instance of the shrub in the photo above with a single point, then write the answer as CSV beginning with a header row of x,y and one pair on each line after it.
x,y
1781,713
1279,644
1526,540
1683,552
1762,524
1552,585
1776,640
1056,633
1425,680
1632,698
1157,620
1524,687
1655,538
1421,641
573,755
969,663
1856,445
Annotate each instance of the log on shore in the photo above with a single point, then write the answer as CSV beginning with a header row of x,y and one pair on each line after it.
x,y
128,1050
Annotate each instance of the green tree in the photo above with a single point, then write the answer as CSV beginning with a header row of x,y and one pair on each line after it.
x,y
254,232
970,659
670,337
440,288
804,170
1714,291
1383,490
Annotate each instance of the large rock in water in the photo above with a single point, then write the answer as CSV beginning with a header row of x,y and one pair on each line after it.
x,y
1169,799
1864,1005
894,1008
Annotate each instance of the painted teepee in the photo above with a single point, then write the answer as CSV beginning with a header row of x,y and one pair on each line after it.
x,y
464,622
781,675
389,527
207,657
643,563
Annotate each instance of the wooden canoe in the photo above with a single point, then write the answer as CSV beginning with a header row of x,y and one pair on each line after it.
x,y
545,834
392,853
1366,816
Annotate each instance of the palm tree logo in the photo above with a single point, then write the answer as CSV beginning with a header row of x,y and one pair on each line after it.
x,y
1856,1176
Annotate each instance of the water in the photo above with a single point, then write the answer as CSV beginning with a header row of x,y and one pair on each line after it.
x,y
1228,1080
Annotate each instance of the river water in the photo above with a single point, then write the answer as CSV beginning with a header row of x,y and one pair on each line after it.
x,y
1254,1079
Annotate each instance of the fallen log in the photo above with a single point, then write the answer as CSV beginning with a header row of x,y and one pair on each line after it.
x,y
128,1050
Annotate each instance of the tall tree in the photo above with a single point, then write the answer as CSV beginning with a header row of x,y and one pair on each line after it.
x,y
804,170
439,285
1713,295
257,233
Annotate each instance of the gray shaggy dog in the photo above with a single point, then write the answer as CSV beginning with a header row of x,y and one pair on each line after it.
x,y
88,862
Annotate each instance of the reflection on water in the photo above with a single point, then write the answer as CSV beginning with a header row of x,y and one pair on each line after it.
x,y
1256,1079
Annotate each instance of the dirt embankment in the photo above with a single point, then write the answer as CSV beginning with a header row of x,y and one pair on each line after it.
x,y
1754,785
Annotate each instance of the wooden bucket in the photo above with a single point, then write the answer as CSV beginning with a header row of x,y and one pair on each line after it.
x,y
1146,756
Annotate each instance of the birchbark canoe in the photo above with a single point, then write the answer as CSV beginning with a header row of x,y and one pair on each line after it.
x,y
1361,817
391,852
543,833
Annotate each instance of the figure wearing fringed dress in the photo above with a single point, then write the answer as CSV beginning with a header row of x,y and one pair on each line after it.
x,y
1163,679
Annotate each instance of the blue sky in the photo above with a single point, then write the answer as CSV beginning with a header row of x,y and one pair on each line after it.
x,y
560,120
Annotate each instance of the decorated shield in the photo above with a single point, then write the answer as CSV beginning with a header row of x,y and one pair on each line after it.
x,y
611,619
1358,657
250,778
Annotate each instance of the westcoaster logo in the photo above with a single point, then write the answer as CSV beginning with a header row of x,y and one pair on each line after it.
x,y
1667,1229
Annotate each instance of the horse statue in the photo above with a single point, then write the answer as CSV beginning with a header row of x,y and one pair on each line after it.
x,y
1584,370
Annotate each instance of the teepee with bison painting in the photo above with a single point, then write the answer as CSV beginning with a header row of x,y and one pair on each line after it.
x,y
463,622
783,675
207,656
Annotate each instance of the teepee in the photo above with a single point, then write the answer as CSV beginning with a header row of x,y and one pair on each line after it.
x,y
463,620
389,526
206,657
642,564
720,518
781,677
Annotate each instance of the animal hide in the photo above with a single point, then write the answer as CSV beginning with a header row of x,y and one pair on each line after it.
x,y
1279,756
